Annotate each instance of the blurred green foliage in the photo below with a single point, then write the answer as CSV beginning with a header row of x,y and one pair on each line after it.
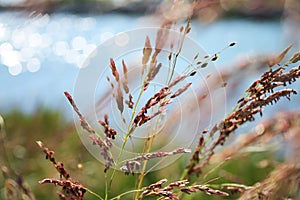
x,y
51,127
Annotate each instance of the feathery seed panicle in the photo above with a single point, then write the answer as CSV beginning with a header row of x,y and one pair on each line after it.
x,y
118,93
85,125
170,191
280,57
58,165
205,189
109,132
120,99
277,184
161,38
125,81
156,189
260,94
147,50
295,58
159,96
268,89
177,80
71,189
181,90
133,164
114,70
104,145
152,72
15,187
283,123
129,102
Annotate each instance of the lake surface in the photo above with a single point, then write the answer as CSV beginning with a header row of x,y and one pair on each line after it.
x,y
42,55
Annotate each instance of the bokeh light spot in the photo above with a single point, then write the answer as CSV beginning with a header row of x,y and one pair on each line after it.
x,y
10,58
88,49
78,43
71,56
15,69
33,65
122,39
105,36
35,40
60,48
18,38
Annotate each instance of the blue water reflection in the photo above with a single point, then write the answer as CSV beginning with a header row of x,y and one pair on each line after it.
x,y
41,55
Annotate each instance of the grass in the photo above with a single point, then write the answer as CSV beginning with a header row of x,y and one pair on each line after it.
x,y
247,168
219,164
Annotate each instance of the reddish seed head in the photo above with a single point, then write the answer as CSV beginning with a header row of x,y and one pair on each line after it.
x,y
112,63
196,56
102,123
106,118
68,95
147,43
170,56
224,84
181,29
124,67
188,30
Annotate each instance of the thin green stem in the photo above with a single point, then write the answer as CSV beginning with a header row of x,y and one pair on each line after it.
x,y
106,187
128,130
125,193
144,168
94,193
184,174
146,149
132,115
178,51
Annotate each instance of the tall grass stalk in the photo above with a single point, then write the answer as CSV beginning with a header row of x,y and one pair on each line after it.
x,y
206,157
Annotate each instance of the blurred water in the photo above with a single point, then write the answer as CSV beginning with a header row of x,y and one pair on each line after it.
x,y
41,55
